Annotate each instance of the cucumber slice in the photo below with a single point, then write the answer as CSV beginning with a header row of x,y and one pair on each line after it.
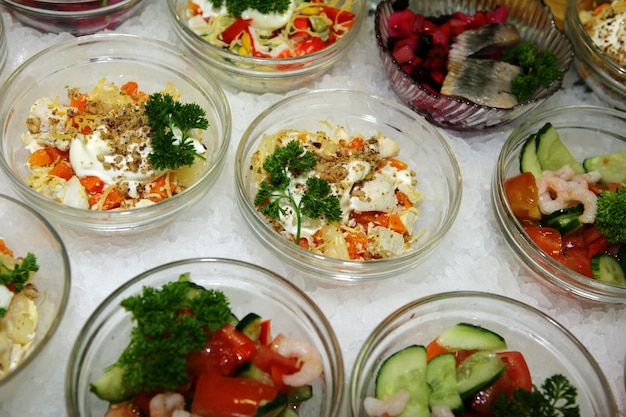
x,y
406,370
441,377
612,167
528,161
274,408
299,394
465,336
478,371
565,220
621,256
110,386
607,269
250,371
552,153
250,325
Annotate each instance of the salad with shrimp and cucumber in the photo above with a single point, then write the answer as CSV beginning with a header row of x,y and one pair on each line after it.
x,y
189,356
466,371
575,211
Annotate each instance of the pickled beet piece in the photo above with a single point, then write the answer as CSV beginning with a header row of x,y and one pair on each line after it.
x,y
401,23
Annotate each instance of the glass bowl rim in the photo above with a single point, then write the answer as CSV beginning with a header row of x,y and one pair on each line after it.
x,y
17,6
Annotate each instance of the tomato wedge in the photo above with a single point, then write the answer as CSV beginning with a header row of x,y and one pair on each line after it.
x,y
548,239
523,196
222,396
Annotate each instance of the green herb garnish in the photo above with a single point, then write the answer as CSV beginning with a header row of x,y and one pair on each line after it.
x,y
237,7
172,122
611,215
315,202
20,272
171,322
556,398
539,69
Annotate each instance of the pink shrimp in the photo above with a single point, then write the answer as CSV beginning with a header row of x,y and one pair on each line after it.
x,y
307,356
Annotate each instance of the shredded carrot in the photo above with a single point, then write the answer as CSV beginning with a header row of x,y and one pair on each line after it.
x,y
62,170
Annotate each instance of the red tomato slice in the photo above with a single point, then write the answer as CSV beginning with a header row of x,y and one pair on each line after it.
x,y
548,239
523,197
220,396
231,32
516,375
308,46
227,349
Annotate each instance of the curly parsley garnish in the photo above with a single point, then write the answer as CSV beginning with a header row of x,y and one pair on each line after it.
x,y
539,69
172,122
556,398
237,7
170,323
18,275
289,161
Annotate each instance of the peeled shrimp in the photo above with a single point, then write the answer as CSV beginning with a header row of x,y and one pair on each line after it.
x,y
393,406
563,188
307,356
166,403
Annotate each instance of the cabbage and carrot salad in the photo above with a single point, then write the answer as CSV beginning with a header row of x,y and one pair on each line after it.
x,y
114,147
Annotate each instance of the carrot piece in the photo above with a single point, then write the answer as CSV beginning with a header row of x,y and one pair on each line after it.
x,y
397,164
130,88
357,245
195,8
304,243
356,143
376,217
57,154
159,189
62,170
112,198
396,224
601,7
39,158
4,249
403,199
92,184
79,102
433,349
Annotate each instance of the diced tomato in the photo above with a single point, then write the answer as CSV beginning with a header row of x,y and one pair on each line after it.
x,y
577,260
337,15
266,333
234,30
227,349
275,364
516,375
221,396
548,239
308,46
523,196
434,348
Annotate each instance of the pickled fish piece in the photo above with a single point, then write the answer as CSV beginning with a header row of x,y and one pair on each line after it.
x,y
483,81
481,41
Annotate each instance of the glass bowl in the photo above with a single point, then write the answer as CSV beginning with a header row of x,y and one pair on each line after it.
x,y
586,131
535,23
421,146
78,17
26,231
547,346
605,76
259,74
3,46
249,288
83,62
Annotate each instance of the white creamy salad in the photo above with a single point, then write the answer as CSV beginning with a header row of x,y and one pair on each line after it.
x,y
607,27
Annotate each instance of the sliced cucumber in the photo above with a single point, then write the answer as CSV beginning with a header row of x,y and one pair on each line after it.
x,y
250,325
110,386
274,408
528,161
250,371
552,153
478,371
621,256
441,377
299,394
406,370
612,167
465,336
565,220
607,269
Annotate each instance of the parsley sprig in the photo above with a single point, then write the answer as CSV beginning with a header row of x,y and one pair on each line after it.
x,y
237,7
316,202
17,276
172,122
170,323
556,398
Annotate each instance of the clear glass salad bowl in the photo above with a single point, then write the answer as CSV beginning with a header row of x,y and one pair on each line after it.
x,y
26,231
249,288
535,23
83,62
586,131
546,345
421,146
259,74
78,17
605,76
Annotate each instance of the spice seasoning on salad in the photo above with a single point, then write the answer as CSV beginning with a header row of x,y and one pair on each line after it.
x,y
188,353
606,25
18,312
114,148
346,197
282,29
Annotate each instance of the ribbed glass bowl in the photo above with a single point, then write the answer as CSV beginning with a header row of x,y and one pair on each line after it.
x,y
265,75
547,346
249,288
24,230
586,131
602,74
422,147
78,17
535,23
83,62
